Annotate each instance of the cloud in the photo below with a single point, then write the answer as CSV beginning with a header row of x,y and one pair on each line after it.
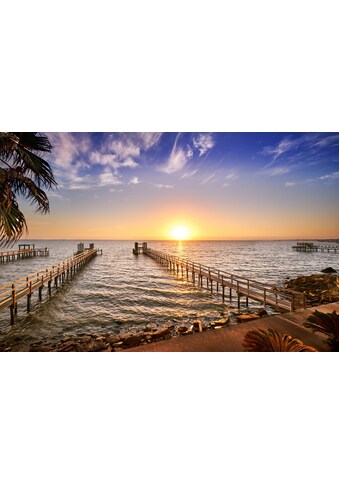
x,y
232,176
275,171
203,143
290,184
189,174
310,144
162,186
330,176
107,178
134,181
208,179
178,158
68,147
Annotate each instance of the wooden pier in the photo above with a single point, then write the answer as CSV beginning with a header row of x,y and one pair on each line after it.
x,y
53,275
281,298
24,251
308,247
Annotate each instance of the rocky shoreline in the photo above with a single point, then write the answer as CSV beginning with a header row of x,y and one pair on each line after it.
x,y
319,289
137,335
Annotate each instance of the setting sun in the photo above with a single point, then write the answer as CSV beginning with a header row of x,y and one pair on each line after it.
x,y
180,233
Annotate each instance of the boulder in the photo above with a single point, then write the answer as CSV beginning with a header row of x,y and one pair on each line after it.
x,y
162,332
132,341
328,270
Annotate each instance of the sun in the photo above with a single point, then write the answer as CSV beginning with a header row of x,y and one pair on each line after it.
x,y
180,233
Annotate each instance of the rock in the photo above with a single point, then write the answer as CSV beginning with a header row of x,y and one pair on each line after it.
x,y
151,327
113,339
247,318
218,327
262,312
133,340
222,322
162,332
328,270
181,329
197,325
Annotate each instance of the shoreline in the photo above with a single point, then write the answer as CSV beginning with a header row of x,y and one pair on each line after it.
x,y
319,290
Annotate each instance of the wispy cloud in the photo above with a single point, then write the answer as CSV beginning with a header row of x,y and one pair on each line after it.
x,y
189,174
203,143
80,164
306,146
162,186
290,184
208,179
330,176
134,181
229,177
275,171
178,157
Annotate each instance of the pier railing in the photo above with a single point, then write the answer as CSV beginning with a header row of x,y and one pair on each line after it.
x,y
25,286
282,298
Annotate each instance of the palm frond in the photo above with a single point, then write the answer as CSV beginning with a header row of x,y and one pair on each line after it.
x,y
261,340
327,323
34,166
24,186
33,141
12,220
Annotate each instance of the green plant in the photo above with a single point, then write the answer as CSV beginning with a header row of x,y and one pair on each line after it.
x,y
327,323
270,340
22,173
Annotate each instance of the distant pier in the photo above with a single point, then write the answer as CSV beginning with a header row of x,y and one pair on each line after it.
x,y
281,298
11,293
308,247
24,251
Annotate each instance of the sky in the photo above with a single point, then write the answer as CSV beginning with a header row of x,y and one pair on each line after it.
x,y
213,185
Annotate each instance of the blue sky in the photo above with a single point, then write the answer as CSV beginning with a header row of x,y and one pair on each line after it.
x,y
116,176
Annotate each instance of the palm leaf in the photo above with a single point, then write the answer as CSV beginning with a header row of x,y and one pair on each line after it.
x,y
22,172
327,323
270,340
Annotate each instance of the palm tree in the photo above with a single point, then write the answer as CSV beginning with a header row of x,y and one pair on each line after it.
x,y
272,341
22,173
327,323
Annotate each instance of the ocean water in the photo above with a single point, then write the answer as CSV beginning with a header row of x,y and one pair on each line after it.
x,y
119,291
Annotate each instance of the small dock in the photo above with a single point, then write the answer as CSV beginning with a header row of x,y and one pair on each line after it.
x,y
24,251
140,248
218,280
309,247
56,275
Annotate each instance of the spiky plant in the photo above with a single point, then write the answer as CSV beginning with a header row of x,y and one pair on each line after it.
x,y
327,323
270,340
22,173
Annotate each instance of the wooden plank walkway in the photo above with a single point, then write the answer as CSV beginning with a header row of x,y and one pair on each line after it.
x,y
7,256
281,298
229,339
24,287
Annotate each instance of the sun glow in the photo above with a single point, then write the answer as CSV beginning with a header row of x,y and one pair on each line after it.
x,y
180,233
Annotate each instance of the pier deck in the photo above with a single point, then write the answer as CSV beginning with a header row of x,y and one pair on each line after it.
x,y
11,293
276,297
306,247
30,252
